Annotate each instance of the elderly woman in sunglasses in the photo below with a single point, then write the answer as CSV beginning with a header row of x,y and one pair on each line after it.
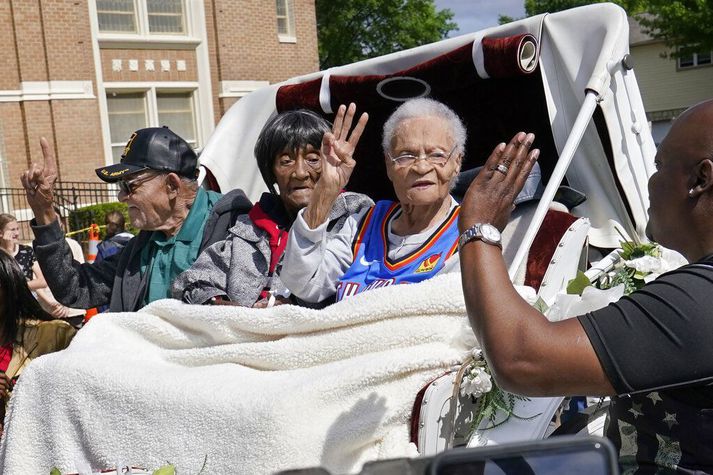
x,y
405,241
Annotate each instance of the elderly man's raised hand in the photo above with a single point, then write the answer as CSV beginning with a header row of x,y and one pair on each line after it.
x,y
38,182
337,163
491,195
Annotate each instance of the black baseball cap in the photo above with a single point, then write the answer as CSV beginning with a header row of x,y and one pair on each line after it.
x,y
153,148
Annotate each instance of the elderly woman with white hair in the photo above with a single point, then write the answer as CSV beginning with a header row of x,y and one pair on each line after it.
x,y
399,242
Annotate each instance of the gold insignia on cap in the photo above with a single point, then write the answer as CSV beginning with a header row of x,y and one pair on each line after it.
x,y
127,149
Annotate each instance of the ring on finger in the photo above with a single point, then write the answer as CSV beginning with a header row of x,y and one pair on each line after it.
x,y
502,169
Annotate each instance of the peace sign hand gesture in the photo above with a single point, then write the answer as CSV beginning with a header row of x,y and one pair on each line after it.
x,y
337,163
338,148
38,182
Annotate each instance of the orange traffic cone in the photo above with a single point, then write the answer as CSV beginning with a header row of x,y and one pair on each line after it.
x,y
93,246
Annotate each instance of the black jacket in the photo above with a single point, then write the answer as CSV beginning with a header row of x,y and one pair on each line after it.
x,y
116,281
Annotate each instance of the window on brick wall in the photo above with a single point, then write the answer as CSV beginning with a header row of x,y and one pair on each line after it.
x,y
285,20
127,113
142,17
130,111
117,16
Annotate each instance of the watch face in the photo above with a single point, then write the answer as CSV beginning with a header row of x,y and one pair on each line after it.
x,y
490,232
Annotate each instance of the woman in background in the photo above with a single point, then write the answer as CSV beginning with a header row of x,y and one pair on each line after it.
x,y
26,331
24,255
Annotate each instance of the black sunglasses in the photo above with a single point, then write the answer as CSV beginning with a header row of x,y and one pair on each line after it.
x,y
130,187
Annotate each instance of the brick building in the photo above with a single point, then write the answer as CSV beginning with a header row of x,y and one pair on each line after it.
x,y
87,73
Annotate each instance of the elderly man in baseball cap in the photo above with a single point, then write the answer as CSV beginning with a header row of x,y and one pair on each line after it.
x,y
157,180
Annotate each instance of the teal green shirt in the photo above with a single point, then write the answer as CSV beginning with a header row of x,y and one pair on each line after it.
x,y
165,257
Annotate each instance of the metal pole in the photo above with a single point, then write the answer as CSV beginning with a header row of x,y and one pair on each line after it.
x,y
570,146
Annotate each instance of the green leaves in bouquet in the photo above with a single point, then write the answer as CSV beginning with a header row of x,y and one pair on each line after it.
x,y
577,285
55,471
165,470
631,250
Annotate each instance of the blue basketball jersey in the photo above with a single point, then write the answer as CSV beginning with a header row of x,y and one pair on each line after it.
x,y
372,267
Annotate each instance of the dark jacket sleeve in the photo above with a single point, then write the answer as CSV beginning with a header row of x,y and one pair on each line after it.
x,y
73,284
223,216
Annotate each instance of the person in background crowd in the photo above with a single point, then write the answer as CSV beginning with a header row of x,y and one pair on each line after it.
x,y
26,331
24,255
157,180
244,269
116,236
406,241
650,350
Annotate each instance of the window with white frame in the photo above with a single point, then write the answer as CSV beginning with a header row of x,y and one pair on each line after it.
x,y
285,19
130,111
701,58
142,17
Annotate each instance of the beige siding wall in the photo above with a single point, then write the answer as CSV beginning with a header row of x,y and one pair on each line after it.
x,y
663,86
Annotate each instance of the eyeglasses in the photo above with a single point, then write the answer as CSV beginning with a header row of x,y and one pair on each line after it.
x,y
130,187
436,158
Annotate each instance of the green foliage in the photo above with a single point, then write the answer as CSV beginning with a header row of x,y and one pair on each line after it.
x,y
496,402
83,217
55,471
165,470
352,30
577,285
686,26
536,7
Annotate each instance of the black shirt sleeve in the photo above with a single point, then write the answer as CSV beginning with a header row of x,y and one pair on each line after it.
x,y
660,336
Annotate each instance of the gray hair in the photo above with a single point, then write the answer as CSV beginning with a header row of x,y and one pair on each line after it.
x,y
424,107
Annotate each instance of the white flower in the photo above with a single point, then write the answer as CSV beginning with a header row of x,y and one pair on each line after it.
x,y
645,264
671,260
476,383
567,306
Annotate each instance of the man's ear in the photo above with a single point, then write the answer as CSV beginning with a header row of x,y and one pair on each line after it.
x,y
173,184
703,176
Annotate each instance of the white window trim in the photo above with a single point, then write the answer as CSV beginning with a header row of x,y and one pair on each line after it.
x,y
196,25
288,38
143,36
151,89
695,62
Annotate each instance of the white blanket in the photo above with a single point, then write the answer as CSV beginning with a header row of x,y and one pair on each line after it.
x,y
253,390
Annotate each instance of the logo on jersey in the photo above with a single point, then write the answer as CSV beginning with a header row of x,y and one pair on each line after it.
x,y
428,264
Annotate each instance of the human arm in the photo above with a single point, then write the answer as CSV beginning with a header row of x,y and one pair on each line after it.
x,y
50,304
207,277
38,281
314,259
528,354
337,164
73,284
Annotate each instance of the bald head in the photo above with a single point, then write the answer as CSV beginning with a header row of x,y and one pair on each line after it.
x,y
681,190
692,133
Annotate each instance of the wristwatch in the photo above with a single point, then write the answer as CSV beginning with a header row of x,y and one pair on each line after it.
x,y
487,233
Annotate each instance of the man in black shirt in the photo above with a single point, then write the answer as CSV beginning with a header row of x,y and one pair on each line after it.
x,y
650,350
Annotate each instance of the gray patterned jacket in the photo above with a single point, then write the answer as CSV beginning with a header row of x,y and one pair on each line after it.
x,y
237,268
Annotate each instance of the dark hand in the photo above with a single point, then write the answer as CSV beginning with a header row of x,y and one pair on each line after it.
x,y
338,148
337,163
490,197
38,182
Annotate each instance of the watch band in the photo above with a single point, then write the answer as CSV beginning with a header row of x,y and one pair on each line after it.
x,y
474,233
